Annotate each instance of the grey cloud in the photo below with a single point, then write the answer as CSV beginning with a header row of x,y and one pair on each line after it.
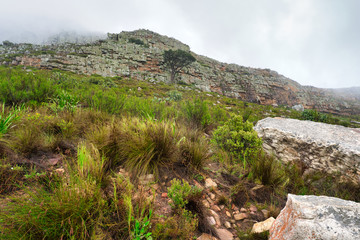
x,y
312,42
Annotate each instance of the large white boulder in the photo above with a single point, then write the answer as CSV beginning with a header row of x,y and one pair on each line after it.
x,y
317,217
320,146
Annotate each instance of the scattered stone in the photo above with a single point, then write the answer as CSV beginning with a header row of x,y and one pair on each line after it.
x,y
209,183
299,108
240,216
60,171
164,195
228,214
146,179
317,217
232,221
222,207
263,226
216,216
211,220
216,208
139,89
224,234
212,196
243,210
206,236
206,203
252,208
227,224
266,213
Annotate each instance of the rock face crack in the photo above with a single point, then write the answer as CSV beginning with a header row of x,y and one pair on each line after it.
x,y
320,146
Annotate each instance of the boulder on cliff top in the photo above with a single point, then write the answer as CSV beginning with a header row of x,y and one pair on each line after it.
x,y
320,146
317,217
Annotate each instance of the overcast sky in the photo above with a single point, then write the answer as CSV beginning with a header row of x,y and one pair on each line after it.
x,y
314,42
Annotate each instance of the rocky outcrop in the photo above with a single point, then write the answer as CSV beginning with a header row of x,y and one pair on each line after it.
x,y
317,217
319,146
139,54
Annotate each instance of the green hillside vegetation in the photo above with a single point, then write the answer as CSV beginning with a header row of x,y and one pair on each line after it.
x,y
75,150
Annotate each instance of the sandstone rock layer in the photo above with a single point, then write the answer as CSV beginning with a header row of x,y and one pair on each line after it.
x,y
320,146
317,217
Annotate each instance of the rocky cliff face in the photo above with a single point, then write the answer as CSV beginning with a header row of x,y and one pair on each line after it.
x,y
138,54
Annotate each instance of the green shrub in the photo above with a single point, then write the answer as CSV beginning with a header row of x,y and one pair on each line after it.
x,y
64,101
18,87
180,193
108,101
175,95
238,138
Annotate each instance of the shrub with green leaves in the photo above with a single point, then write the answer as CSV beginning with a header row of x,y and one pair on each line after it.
x,y
179,192
64,101
21,87
238,138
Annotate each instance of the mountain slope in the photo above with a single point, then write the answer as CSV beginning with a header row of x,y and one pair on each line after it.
x,y
120,55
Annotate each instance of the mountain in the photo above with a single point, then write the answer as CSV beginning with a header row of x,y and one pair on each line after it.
x,y
139,54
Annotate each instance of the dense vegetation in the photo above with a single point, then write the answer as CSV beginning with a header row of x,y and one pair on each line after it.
x,y
75,150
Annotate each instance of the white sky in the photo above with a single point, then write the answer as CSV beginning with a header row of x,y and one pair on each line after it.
x,y
314,42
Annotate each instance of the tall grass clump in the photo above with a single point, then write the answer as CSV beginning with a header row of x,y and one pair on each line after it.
x,y
142,146
7,119
197,113
72,210
269,171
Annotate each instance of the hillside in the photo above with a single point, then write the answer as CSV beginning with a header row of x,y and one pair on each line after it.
x,y
121,55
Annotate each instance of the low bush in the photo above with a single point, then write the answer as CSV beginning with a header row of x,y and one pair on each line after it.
x,y
18,87
238,138
180,193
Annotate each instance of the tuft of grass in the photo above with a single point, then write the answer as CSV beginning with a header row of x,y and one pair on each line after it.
x,y
194,149
11,177
197,113
269,171
71,211
142,146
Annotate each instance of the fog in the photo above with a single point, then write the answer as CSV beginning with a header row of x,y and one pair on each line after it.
x,y
312,42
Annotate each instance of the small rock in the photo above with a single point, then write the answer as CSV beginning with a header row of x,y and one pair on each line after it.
x,y
227,225
228,214
243,210
216,208
60,171
147,179
240,216
211,220
206,236
206,203
209,183
216,216
232,221
252,208
212,196
164,195
222,207
139,89
263,226
224,234
266,213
